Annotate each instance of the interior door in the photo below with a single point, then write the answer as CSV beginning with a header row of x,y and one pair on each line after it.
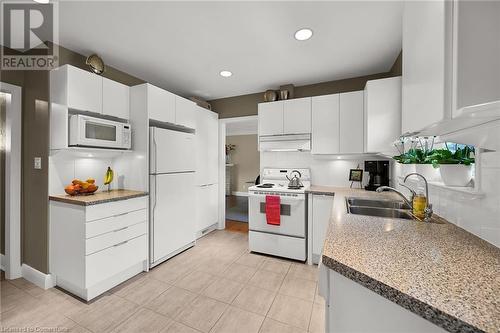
x,y
172,151
173,214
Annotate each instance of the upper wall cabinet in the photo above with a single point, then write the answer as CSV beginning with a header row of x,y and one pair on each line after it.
x,y
115,99
426,86
325,124
297,116
271,118
476,35
185,112
160,104
76,88
351,122
285,117
337,123
382,114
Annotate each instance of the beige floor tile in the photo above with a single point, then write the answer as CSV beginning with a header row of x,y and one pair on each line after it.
x,y
78,329
176,327
275,266
255,299
27,287
291,310
317,323
170,271
171,302
301,288
237,320
142,293
223,290
12,297
273,326
239,273
304,271
144,321
129,284
105,315
202,313
267,280
318,298
195,281
214,266
251,260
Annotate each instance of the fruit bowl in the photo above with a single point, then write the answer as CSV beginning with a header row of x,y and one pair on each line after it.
x,y
78,187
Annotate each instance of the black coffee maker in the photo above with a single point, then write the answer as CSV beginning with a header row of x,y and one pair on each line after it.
x,y
379,174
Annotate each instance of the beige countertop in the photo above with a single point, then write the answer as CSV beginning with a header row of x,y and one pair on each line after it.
x,y
438,271
98,197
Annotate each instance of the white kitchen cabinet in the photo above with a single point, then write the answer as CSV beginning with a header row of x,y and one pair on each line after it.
x,y
76,89
160,104
325,124
427,50
382,114
319,213
115,99
351,122
94,248
297,116
207,146
185,112
270,116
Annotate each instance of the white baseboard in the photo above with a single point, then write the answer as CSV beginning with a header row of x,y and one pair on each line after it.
x,y
240,194
2,262
42,280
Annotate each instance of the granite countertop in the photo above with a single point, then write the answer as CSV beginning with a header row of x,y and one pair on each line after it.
x,y
323,190
438,271
98,197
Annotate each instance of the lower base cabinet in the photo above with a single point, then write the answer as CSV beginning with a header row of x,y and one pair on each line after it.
x,y
207,207
94,248
319,214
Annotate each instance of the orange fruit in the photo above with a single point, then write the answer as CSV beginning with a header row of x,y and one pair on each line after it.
x,y
70,189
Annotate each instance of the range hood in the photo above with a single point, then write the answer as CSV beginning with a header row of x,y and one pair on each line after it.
x,y
287,142
477,125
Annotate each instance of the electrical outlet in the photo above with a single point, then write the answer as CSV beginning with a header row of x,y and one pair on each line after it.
x,y
37,163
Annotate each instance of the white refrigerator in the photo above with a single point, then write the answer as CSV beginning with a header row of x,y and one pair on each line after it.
x,y
172,193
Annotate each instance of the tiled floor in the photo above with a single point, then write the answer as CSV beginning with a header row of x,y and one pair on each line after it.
x,y
217,286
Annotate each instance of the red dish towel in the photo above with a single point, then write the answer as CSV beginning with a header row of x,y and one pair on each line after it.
x,y
273,209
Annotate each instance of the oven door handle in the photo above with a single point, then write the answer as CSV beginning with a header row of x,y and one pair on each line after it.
x,y
298,198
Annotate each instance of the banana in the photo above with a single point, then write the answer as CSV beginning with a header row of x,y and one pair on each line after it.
x,y
109,176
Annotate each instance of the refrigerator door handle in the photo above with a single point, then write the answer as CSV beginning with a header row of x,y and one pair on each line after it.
x,y
155,151
152,222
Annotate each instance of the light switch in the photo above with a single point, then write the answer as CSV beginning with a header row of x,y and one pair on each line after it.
x,y
37,161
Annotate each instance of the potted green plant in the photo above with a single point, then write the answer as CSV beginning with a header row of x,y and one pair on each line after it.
x,y
454,166
416,160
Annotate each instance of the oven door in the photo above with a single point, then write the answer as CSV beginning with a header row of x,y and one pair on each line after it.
x,y
292,219
94,132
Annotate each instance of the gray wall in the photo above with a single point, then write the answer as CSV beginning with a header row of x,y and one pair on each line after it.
x,y
2,172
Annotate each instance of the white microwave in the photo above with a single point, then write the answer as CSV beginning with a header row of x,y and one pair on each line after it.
x,y
85,131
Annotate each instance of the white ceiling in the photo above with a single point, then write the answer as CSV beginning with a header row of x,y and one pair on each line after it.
x,y
182,46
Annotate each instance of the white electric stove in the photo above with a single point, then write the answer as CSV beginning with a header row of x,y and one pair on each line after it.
x,y
289,238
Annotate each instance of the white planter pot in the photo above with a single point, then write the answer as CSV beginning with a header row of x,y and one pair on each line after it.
x,y
455,174
406,169
428,171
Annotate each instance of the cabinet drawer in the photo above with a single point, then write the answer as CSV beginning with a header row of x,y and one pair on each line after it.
x,y
102,211
113,238
104,264
113,223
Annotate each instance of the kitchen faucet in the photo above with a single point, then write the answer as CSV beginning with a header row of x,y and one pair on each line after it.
x,y
428,208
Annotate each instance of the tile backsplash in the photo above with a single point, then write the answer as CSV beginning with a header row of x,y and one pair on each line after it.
x,y
480,216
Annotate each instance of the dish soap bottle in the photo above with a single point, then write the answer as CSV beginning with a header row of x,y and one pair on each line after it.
x,y
419,204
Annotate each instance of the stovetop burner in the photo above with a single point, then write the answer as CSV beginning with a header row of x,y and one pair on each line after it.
x,y
267,185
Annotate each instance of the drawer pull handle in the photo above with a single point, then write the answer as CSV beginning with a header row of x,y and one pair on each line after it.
x,y
120,244
120,229
122,214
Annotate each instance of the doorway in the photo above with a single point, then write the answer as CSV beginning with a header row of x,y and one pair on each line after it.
x,y
10,180
241,169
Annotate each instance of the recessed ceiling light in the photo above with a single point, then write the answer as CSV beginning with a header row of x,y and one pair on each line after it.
x,y
303,34
42,1
225,73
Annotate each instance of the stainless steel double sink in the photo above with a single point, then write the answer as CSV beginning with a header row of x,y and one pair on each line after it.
x,y
380,208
